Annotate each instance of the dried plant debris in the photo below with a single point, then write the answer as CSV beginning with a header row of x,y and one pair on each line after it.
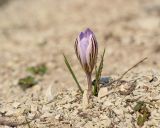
x,y
38,70
27,82
126,87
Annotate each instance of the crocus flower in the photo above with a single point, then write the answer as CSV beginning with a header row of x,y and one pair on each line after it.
x,y
86,48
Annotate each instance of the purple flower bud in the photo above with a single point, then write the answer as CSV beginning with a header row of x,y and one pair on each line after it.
x,y
86,48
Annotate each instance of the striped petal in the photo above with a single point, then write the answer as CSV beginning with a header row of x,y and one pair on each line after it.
x,y
86,48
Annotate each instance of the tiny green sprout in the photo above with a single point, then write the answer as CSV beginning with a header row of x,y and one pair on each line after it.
x,y
38,70
143,111
138,106
27,82
140,120
143,117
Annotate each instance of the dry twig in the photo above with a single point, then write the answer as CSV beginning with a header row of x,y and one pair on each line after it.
x,y
119,79
9,122
12,122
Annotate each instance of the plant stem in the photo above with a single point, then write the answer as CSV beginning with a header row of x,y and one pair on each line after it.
x,y
89,80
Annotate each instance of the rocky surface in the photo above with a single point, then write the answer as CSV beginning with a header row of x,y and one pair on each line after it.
x,y
111,108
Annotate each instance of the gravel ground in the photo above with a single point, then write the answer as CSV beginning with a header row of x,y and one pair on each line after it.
x,y
113,108
34,32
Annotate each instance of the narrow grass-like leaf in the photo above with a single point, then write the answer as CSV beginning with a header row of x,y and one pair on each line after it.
x,y
95,88
98,74
72,73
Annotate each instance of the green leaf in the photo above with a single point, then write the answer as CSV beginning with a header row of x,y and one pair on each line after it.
x,y
27,82
98,75
143,111
38,70
138,106
140,120
143,118
72,73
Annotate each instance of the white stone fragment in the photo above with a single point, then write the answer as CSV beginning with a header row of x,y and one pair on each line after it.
x,y
102,92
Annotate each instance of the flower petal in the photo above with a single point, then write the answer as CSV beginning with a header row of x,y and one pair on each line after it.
x,y
88,32
82,46
92,51
81,35
86,48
